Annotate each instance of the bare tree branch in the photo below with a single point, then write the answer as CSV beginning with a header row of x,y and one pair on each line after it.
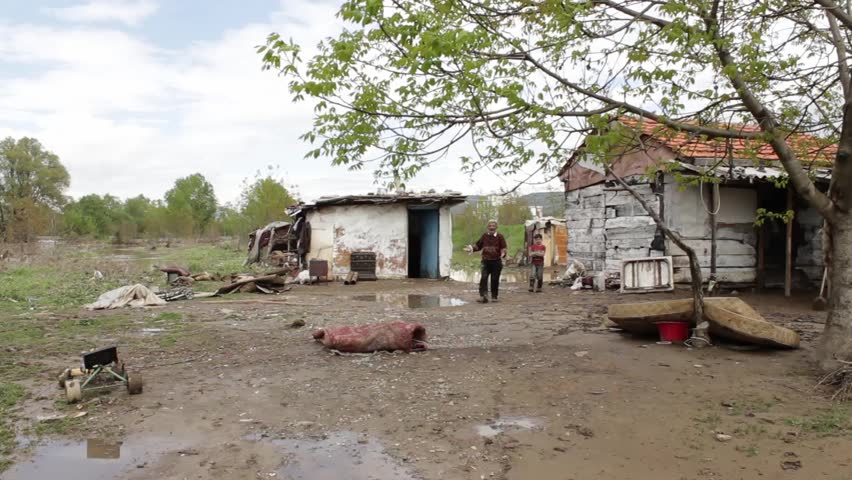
x,y
633,13
799,178
837,11
842,61
679,126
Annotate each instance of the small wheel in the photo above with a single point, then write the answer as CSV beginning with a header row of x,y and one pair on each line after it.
x,y
73,391
64,377
134,384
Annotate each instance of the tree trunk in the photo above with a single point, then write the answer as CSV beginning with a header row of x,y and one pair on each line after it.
x,y
694,268
836,342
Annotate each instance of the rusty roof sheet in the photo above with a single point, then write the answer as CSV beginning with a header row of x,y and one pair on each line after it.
x,y
808,147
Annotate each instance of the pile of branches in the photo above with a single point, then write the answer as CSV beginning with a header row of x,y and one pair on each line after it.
x,y
841,379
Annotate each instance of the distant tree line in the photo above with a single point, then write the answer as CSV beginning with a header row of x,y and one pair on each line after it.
x,y
33,201
513,210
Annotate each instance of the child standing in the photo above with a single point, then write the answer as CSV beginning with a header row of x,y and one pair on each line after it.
x,y
537,250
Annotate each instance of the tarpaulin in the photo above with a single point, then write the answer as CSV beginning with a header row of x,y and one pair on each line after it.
x,y
129,296
373,337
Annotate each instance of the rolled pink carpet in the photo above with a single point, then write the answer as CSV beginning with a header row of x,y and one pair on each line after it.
x,y
373,337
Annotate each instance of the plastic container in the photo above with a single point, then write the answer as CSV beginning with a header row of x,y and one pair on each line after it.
x,y
675,332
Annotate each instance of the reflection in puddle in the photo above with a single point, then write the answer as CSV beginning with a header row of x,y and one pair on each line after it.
x,y
96,448
335,456
508,423
94,459
413,300
514,276
472,276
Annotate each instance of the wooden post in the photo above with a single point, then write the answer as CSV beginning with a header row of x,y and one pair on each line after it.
x,y
788,273
761,260
712,213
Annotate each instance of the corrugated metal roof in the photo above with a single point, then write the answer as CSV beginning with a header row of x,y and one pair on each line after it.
x,y
752,173
448,198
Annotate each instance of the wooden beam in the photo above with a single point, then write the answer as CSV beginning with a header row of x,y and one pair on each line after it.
x,y
713,228
761,258
788,260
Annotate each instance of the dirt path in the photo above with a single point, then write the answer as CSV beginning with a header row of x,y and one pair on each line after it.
x,y
506,392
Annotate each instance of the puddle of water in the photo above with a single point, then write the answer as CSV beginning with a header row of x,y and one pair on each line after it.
x,y
413,300
94,459
508,423
338,455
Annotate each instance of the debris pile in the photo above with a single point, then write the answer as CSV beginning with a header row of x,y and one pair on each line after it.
x,y
270,283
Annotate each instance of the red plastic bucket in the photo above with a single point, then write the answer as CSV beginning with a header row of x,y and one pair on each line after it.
x,y
675,332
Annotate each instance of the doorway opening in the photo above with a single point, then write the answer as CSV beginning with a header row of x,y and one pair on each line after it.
x,y
423,239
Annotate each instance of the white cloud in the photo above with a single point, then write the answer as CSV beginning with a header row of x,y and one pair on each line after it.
x,y
129,12
127,117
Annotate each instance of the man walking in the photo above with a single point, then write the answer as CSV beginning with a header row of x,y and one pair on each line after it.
x,y
493,247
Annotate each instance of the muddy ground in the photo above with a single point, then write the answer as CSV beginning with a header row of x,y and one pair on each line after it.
x,y
534,387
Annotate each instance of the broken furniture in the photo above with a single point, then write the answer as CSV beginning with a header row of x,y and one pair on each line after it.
x,y
177,293
281,244
646,275
318,269
100,369
272,282
364,264
730,319
172,273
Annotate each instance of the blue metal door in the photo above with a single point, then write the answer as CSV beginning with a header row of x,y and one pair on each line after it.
x,y
429,243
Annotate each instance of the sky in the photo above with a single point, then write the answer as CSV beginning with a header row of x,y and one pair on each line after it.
x,y
132,94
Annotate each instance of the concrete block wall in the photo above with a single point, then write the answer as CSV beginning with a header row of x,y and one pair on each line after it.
x,y
585,218
605,227
809,254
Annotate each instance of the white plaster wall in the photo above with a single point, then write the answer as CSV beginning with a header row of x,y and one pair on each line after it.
x,y
339,230
445,241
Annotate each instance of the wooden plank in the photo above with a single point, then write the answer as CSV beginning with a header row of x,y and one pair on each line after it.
x,y
713,201
788,259
761,258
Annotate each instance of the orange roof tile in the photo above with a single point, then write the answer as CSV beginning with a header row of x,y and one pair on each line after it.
x,y
808,147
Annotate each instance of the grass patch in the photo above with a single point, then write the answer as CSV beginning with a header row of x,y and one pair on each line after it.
x,y
750,429
749,450
168,317
55,427
753,406
64,277
827,422
10,369
10,395
32,287
207,258
712,419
